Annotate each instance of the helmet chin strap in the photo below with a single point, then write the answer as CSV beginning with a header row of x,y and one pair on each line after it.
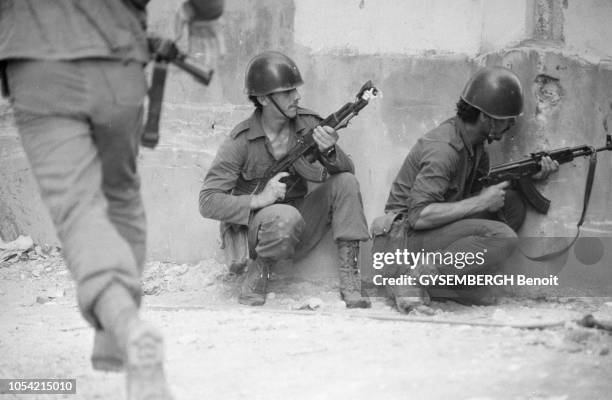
x,y
278,107
491,129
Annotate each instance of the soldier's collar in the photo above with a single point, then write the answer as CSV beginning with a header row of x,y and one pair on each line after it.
x,y
460,129
255,128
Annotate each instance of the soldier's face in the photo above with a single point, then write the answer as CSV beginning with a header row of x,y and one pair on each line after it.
x,y
288,101
497,127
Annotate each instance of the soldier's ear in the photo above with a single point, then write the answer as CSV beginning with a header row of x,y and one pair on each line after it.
x,y
263,100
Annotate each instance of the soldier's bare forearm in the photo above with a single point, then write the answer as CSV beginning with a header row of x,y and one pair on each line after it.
x,y
438,214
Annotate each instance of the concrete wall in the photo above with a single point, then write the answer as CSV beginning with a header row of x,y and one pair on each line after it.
x,y
419,53
587,29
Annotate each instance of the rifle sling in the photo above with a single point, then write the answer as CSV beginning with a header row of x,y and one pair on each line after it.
x,y
150,135
585,204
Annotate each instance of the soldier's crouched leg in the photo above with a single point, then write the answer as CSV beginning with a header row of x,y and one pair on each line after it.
x,y
274,231
350,277
349,228
496,241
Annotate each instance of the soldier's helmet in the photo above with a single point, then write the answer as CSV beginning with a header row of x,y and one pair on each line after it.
x,y
496,91
271,72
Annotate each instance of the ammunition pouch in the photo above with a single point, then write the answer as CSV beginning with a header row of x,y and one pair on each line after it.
x,y
235,245
389,234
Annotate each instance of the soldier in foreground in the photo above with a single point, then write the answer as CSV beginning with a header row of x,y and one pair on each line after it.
x,y
74,72
434,205
284,221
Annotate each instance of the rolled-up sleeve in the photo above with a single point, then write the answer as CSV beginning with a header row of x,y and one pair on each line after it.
x,y
339,162
216,198
439,163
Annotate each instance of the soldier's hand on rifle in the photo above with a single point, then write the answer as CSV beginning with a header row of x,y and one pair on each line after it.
x,y
274,190
325,137
494,196
548,167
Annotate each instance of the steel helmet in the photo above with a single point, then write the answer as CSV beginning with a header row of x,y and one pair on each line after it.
x,y
271,72
496,91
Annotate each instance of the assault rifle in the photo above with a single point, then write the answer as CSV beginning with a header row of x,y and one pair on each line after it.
x,y
164,51
519,172
305,143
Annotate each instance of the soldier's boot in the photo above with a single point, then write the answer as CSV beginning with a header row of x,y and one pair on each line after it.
x,y
350,279
255,284
106,354
144,353
409,298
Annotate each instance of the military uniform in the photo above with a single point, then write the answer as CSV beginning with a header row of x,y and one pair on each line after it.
x,y
291,228
443,167
74,73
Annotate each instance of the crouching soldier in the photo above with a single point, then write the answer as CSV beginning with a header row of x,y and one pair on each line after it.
x,y
434,204
284,221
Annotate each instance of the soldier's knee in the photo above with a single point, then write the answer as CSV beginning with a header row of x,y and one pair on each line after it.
x,y
282,222
345,182
287,220
345,178
501,230
507,235
279,232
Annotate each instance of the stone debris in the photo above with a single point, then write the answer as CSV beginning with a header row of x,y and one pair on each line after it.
x,y
312,304
22,243
48,296
14,251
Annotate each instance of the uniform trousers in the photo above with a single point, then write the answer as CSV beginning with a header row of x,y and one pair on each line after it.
x,y
291,231
80,123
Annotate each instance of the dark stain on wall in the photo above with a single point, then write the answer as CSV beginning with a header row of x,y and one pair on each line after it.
x,y
548,93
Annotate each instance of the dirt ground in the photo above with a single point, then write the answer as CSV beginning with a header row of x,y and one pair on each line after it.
x,y
217,349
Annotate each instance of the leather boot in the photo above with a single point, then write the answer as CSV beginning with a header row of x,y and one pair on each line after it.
x,y
411,298
255,284
350,280
144,353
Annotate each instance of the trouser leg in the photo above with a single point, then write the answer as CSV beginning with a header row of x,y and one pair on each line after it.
x,y
494,239
282,231
117,128
56,106
275,231
53,102
65,164
337,204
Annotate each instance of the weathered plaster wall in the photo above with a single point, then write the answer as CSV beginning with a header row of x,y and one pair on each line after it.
x,y
587,29
419,53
